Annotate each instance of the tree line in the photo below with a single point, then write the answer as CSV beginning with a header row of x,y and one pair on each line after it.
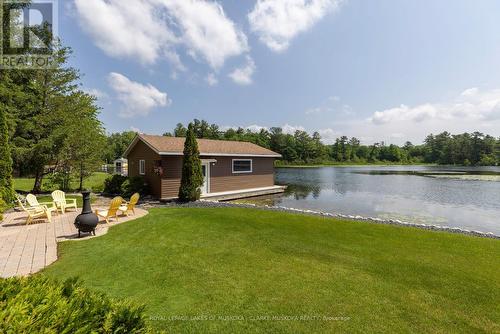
x,y
49,128
304,148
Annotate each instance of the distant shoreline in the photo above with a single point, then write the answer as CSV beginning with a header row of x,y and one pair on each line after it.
x,y
357,165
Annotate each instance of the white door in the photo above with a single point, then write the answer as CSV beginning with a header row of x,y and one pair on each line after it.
x,y
205,169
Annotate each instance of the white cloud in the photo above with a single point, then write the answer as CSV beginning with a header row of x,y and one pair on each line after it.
x,y
137,99
316,110
152,29
470,92
95,92
472,104
175,60
206,31
243,75
277,22
133,128
328,136
290,129
125,28
211,79
472,110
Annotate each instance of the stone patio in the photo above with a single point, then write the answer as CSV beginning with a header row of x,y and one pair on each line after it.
x,y
27,249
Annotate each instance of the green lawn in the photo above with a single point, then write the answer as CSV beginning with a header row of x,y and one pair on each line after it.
x,y
79,199
94,182
248,266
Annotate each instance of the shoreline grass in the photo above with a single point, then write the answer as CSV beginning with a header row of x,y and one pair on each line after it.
x,y
246,270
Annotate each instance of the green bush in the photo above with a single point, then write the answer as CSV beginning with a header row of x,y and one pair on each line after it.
x,y
134,185
113,184
125,186
39,305
3,205
59,180
487,160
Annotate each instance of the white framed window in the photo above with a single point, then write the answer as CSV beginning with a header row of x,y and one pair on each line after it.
x,y
142,167
242,166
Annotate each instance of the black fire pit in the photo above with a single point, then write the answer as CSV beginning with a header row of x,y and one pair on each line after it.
x,y
86,221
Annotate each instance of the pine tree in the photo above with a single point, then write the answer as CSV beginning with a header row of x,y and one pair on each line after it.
x,y
5,160
192,177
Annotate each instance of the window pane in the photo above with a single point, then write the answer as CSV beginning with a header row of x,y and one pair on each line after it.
x,y
142,167
242,166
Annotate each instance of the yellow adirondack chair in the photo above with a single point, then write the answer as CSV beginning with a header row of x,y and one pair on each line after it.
x,y
112,212
33,202
60,201
130,206
35,213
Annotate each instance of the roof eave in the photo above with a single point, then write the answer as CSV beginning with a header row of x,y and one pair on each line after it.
x,y
227,154
139,137
134,142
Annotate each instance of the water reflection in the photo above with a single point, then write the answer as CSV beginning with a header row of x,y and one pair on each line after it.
x,y
406,193
302,191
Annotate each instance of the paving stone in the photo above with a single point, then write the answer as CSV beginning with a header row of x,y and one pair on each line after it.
x,y
27,249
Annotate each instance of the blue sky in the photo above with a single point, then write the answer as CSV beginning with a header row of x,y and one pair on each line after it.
x,y
378,70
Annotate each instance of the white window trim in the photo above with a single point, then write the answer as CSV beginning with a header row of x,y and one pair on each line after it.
x,y
242,172
207,175
142,167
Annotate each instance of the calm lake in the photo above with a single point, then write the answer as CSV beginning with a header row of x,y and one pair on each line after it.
x,y
447,196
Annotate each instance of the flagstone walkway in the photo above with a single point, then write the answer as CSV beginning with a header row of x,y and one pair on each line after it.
x,y
27,249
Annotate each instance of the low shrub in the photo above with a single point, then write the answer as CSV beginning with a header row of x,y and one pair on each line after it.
x,y
125,186
134,185
39,305
113,184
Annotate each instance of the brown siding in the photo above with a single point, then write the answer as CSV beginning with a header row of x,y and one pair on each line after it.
x,y
171,180
221,175
142,152
223,179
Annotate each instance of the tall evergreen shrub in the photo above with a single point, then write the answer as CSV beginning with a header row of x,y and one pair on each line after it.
x,y
6,192
192,176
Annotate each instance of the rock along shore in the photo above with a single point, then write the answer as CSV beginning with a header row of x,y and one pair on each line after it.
x,y
215,204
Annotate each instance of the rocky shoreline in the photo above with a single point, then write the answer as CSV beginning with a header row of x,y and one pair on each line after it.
x,y
215,204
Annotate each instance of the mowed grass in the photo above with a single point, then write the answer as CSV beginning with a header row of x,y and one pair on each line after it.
x,y
95,182
47,199
246,270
